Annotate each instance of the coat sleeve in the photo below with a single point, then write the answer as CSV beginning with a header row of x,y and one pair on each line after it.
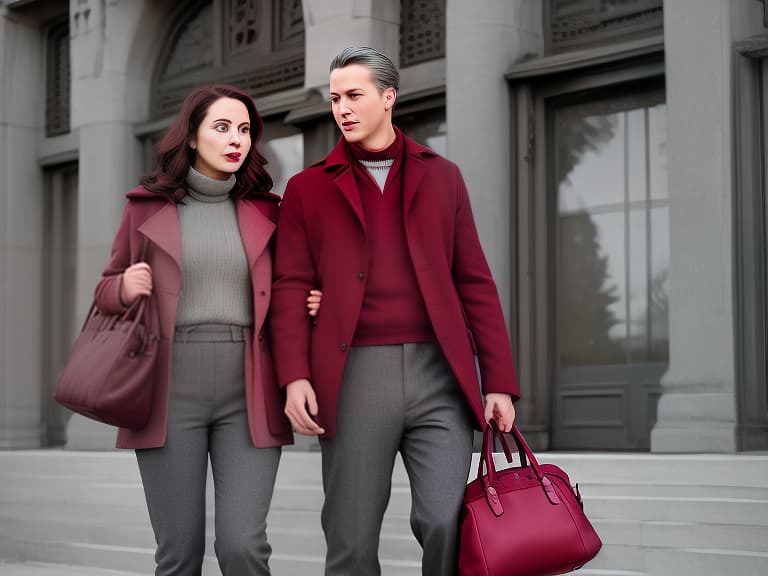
x,y
480,301
108,289
294,274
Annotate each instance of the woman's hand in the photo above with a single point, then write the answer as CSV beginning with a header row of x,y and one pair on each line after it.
x,y
137,281
499,407
313,302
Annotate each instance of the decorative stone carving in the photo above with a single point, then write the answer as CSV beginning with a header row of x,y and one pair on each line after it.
x,y
576,23
244,19
194,47
422,31
254,44
289,23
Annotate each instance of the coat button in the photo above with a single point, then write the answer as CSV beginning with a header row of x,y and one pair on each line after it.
x,y
261,336
361,275
263,292
343,347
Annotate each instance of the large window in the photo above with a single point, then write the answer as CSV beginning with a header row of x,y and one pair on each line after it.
x,y
751,243
613,212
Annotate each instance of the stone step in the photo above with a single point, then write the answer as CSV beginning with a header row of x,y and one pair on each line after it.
x,y
706,562
739,471
691,510
671,534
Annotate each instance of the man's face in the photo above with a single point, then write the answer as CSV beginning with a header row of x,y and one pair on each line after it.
x,y
363,114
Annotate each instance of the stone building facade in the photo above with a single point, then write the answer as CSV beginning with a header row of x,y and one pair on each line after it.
x,y
614,150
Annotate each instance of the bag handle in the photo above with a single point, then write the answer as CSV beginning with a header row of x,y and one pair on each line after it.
x,y
486,456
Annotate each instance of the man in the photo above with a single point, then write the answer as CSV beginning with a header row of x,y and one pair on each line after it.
x,y
384,227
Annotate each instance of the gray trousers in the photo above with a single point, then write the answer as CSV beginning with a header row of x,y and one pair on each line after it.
x,y
396,398
207,416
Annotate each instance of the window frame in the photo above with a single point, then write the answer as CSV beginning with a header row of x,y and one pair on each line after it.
x,y
533,85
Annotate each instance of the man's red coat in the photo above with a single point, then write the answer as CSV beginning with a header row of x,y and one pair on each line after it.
x,y
321,242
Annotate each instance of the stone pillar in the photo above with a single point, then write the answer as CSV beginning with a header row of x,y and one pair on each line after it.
x,y
697,409
484,38
331,25
110,93
22,112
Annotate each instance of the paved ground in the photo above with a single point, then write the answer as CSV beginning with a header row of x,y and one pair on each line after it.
x,y
39,569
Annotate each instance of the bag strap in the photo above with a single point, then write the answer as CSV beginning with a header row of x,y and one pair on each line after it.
x,y
486,456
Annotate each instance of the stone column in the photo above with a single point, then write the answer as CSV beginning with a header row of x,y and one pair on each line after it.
x,y
484,38
110,93
331,25
697,409
22,112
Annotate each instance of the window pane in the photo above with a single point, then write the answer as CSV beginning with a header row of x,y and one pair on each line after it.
x,y
593,295
637,268
659,285
427,127
657,151
590,160
614,247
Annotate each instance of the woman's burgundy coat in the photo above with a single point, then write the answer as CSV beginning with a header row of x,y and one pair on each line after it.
x,y
153,220
321,242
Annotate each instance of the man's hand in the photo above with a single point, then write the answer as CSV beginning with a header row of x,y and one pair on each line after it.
x,y
301,407
499,407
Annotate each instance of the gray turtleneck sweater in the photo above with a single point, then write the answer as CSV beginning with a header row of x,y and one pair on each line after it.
x,y
216,286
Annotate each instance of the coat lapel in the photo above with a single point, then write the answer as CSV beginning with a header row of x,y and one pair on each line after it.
x,y
346,182
255,230
414,173
163,230
338,161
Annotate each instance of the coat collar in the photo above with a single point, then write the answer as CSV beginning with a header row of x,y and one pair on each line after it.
x,y
256,229
339,158
338,162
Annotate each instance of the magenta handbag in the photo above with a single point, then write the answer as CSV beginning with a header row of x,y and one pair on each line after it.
x,y
523,521
110,374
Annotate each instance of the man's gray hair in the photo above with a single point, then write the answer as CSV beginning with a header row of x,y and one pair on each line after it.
x,y
385,74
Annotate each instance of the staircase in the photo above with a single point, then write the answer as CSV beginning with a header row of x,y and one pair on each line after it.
x,y
658,515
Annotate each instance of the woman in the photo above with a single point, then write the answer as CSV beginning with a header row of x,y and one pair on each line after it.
x,y
202,224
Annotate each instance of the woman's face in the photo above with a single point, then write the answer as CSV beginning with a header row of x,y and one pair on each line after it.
x,y
223,139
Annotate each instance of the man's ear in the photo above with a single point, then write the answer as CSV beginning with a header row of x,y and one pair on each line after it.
x,y
389,98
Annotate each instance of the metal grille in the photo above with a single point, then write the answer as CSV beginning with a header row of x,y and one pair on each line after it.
x,y
422,31
578,23
57,100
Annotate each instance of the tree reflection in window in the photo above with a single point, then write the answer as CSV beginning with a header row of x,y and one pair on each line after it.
x,y
613,213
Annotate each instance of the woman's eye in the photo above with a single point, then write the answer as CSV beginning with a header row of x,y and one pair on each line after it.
x,y
221,128
245,130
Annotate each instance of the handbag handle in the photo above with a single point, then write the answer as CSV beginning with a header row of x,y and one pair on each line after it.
x,y
486,456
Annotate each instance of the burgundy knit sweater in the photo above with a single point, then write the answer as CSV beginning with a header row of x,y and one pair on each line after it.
x,y
393,310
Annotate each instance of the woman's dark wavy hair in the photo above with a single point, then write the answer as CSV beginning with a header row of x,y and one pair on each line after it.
x,y
173,156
